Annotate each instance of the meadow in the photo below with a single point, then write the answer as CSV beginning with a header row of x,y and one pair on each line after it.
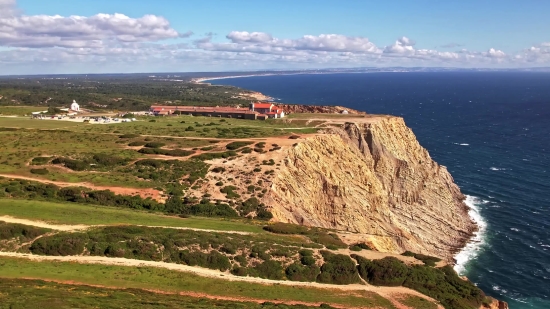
x,y
74,214
173,281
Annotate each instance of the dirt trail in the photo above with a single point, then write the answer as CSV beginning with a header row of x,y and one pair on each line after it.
x,y
144,193
41,224
80,227
386,292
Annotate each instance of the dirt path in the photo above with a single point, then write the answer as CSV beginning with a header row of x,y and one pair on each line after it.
x,y
80,227
386,292
144,193
41,224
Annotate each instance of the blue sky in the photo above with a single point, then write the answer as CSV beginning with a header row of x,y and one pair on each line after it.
x,y
243,34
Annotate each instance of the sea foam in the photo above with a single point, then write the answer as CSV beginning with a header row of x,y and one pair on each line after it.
x,y
471,250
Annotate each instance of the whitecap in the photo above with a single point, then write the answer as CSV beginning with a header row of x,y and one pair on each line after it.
x,y
464,144
477,242
514,229
495,169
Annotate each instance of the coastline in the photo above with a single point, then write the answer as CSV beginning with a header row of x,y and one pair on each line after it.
x,y
476,242
470,248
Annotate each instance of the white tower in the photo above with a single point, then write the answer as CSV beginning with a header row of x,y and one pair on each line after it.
x,y
75,107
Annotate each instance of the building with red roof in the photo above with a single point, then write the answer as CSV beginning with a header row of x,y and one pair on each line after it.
x,y
255,111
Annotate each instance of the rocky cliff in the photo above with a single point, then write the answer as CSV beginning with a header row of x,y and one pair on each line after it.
x,y
317,109
372,178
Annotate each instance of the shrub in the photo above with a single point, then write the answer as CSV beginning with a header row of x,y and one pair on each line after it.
x,y
155,145
446,286
215,155
153,120
218,169
10,231
426,259
286,228
307,260
39,171
270,269
40,160
294,137
388,271
60,244
237,145
167,152
297,272
338,269
138,143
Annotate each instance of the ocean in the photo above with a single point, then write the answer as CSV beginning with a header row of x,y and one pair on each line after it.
x,y
492,131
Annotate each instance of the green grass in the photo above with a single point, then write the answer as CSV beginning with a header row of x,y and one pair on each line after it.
x,y
417,302
210,127
65,213
173,281
27,123
20,110
21,293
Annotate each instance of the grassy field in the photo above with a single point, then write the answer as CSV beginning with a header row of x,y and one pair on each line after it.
x,y
171,281
27,123
20,110
24,139
62,213
20,293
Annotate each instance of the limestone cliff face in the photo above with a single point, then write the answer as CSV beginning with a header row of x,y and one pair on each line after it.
x,y
375,179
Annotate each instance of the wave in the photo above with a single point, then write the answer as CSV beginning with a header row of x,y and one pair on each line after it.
x,y
473,248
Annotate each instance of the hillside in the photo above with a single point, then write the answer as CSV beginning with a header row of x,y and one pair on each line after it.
x,y
348,207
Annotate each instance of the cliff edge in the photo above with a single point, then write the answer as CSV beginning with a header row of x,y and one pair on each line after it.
x,y
372,178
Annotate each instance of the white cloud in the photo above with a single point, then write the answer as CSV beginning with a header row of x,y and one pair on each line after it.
x,y
495,53
38,31
249,37
118,42
403,46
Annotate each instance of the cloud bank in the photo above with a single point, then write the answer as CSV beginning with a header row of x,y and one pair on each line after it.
x,y
39,43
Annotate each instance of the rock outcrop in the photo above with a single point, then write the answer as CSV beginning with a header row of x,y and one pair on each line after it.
x,y
373,178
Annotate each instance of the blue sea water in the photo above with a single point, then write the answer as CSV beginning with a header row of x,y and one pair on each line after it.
x,y
492,131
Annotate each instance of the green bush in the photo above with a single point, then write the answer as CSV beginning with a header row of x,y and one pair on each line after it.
x,y
23,232
446,286
155,145
307,260
270,269
40,160
388,271
135,144
286,228
238,144
60,245
215,155
166,152
426,259
338,269
39,171
298,272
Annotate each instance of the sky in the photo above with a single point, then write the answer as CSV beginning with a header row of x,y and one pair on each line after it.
x,y
134,36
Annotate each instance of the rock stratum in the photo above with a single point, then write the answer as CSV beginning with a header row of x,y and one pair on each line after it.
x,y
374,179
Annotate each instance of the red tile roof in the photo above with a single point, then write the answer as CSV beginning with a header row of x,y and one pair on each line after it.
x,y
263,105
